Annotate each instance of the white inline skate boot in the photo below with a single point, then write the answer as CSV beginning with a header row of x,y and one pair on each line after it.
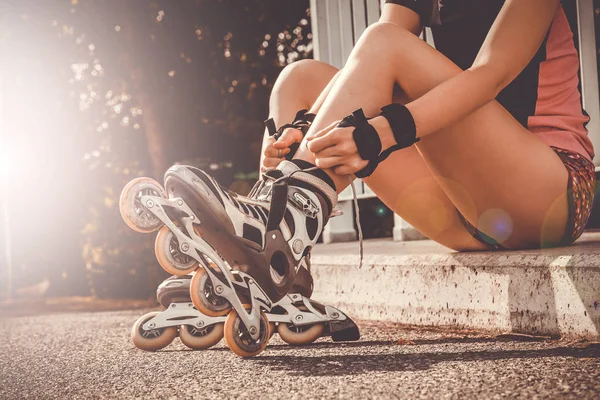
x,y
248,248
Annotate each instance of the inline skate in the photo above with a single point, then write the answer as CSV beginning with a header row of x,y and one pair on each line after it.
x,y
245,250
296,318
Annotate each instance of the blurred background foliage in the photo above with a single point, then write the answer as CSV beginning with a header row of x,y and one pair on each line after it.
x,y
97,92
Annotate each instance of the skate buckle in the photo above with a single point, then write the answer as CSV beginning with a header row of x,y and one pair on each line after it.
x,y
306,205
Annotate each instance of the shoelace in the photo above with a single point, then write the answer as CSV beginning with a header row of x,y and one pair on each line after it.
x,y
357,220
256,188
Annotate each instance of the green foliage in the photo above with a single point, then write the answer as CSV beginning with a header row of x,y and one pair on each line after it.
x,y
143,85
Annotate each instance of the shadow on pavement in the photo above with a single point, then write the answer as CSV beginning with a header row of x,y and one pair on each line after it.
x,y
352,364
444,340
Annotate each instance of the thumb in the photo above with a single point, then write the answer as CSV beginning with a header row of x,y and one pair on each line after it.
x,y
288,137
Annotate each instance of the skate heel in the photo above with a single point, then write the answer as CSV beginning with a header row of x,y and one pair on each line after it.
x,y
301,321
344,331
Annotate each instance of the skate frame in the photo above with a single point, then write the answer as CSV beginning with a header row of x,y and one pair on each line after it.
x,y
198,249
297,317
181,314
185,314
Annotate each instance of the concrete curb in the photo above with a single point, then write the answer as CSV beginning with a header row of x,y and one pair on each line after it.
x,y
551,292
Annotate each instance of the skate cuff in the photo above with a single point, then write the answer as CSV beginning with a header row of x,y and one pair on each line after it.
x,y
302,122
325,186
367,139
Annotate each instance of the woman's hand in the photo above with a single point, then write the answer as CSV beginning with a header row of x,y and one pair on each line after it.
x,y
335,148
276,150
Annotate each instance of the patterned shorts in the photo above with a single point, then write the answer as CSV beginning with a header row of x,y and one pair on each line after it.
x,y
580,197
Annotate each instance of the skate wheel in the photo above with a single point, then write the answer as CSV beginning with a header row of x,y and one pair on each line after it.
x,y
201,338
169,256
133,212
204,298
238,339
154,339
299,335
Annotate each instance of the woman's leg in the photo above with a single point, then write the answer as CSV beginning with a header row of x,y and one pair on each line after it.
x,y
501,177
298,86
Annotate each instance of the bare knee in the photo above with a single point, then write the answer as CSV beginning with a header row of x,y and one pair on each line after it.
x,y
381,38
306,66
304,78
304,71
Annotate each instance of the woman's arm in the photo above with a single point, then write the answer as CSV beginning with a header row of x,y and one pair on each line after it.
x,y
509,46
511,43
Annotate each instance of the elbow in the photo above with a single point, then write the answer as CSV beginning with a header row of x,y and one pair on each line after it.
x,y
493,79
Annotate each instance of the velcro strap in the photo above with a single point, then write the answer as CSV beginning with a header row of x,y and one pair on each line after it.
x,y
303,117
402,123
367,139
279,190
270,124
301,121
293,149
368,170
364,134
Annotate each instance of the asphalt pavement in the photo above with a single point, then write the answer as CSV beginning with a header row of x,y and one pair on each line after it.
x,y
90,355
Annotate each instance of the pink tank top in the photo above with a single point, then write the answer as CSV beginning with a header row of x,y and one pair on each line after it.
x,y
558,119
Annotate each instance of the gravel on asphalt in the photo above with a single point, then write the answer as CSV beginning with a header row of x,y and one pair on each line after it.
x,y
90,355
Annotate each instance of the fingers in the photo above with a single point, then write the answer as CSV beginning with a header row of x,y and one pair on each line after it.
x,y
268,144
329,162
272,152
288,137
270,163
351,166
342,165
334,137
322,132
272,156
345,149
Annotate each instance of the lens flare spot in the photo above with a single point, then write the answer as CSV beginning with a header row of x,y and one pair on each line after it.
x,y
496,223
439,219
